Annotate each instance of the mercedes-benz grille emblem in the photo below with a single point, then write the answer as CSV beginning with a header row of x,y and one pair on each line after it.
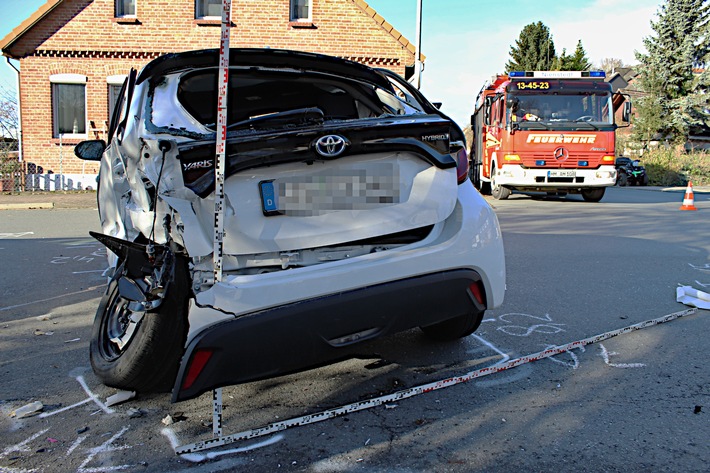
x,y
560,154
330,146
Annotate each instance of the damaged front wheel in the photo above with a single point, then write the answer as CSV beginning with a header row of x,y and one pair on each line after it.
x,y
140,350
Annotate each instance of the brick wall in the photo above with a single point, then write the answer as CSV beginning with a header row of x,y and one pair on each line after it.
x,y
83,37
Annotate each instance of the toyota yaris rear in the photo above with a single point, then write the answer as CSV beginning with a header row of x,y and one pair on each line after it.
x,y
347,216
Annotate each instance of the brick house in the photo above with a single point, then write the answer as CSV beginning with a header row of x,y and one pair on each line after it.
x,y
74,54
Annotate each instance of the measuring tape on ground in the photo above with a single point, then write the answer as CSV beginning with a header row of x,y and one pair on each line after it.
x,y
424,388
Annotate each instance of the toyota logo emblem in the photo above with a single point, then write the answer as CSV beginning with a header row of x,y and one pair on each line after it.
x,y
561,154
330,146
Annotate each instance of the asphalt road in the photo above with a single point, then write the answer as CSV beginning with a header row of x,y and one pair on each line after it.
x,y
636,402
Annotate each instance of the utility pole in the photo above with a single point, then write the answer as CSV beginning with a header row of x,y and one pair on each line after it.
x,y
418,53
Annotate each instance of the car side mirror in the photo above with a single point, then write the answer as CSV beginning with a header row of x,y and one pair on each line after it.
x,y
512,104
90,150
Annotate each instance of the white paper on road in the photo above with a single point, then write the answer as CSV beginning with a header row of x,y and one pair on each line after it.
x,y
689,296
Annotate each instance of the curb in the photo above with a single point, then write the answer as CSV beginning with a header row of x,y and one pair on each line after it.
x,y
35,205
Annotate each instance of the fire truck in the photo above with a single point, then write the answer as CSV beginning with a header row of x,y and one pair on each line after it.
x,y
546,131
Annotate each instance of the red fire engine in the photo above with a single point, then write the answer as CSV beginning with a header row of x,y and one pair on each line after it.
x,y
546,131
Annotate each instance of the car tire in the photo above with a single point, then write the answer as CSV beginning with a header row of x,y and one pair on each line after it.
x,y
593,195
455,328
498,192
150,359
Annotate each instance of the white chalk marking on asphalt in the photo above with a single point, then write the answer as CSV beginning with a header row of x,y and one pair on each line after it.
x,y
47,414
92,397
575,360
15,235
705,267
6,469
198,457
606,354
76,443
22,446
492,347
88,289
105,447
421,389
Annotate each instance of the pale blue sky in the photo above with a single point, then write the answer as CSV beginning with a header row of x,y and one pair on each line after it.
x,y
467,41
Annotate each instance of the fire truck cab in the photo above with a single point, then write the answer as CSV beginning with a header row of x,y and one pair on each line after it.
x,y
546,131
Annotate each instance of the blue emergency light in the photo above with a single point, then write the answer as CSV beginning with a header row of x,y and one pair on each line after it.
x,y
557,74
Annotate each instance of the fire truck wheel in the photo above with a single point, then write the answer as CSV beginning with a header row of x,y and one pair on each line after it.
x,y
593,195
498,192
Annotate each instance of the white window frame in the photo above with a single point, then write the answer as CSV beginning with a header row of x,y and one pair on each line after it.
x,y
117,7
67,79
200,5
292,4
114,84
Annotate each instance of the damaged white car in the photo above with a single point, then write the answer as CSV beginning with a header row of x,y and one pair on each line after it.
x,y
348,216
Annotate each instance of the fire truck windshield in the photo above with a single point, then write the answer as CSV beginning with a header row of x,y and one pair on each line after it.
x,y
561,108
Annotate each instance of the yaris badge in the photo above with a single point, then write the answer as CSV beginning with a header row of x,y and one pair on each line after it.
x,y
330,146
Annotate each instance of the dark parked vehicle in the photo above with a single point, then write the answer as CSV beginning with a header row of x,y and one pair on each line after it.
x,y
347,215
630,172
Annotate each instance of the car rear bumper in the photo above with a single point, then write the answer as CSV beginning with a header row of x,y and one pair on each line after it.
x,y
313,332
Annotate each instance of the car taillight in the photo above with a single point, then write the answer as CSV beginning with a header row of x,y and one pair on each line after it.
x,y
462,165
478,292
197,364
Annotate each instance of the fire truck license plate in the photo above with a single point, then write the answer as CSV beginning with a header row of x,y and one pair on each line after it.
x,y
561,174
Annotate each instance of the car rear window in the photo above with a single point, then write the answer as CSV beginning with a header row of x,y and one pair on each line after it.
x,y
255,94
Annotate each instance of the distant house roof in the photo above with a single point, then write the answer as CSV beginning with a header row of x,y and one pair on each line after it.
x,y
387,27
17,33
25,26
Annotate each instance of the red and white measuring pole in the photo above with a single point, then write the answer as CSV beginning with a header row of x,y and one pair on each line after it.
x,y
222,86
220,165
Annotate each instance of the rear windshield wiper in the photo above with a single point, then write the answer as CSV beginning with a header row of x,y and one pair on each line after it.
x,y
298,116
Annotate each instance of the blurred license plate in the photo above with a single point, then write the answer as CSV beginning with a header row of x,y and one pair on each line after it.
x,y
345,189
561,173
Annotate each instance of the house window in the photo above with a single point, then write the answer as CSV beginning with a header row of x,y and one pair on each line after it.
x,y
69,105
300,10
125,8
208,9
114,92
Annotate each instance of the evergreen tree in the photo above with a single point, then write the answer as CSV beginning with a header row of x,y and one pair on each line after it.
x,y
576,62
561,61
579,60
672,74
534,50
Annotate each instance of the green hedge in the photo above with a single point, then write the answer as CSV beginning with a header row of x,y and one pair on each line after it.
x,y
676,167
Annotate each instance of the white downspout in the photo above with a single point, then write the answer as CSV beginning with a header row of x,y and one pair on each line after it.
x,y
19,109
418,53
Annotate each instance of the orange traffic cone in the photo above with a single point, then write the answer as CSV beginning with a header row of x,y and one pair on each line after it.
x,y
688,200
